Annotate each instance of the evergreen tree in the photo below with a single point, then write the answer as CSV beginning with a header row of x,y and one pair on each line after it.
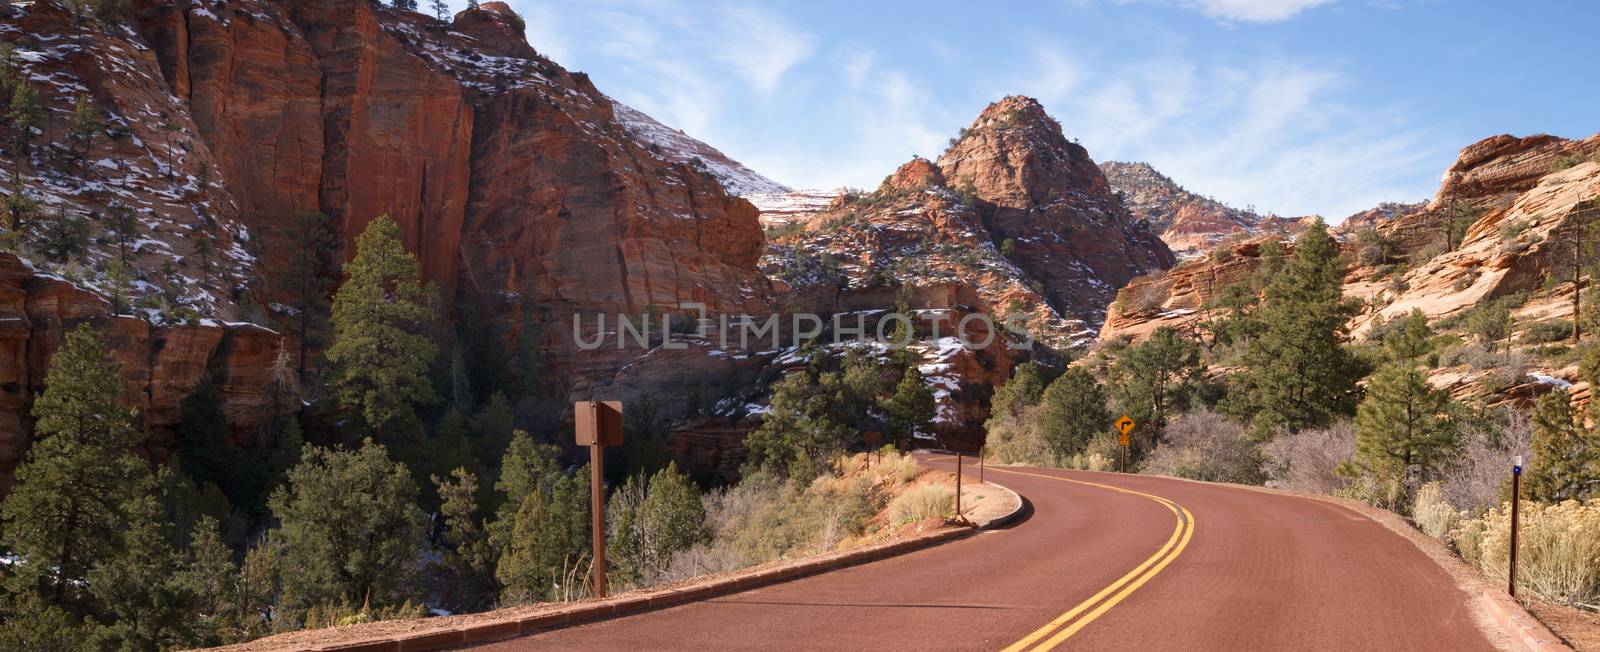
x,y
912,406
441,9
801,432
119,220
64,237
79,508
82,130
1156,377
1297,373
306,283
527,467
1454,221
1072,412
350,530
1566,453
24,115
491,429
1490,323
20,208
202,248
226,610
1403,424
145,605
466,567
406,5
672,518
547,555
1021,392
1578,248
1412,340
381,351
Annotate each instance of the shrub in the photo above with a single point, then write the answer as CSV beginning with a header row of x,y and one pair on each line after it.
x,y
1308,460
1474,480
1203,445
922,502
1559,556
1549,331
1019,440
1432,512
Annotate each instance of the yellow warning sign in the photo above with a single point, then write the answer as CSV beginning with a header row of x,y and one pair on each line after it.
x,y
1124,425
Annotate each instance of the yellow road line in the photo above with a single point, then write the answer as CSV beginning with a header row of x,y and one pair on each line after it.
x,y
1182,532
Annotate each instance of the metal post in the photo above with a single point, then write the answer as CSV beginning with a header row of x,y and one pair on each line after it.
x,y
1516,497
958,486
980,466
1123,466
597,502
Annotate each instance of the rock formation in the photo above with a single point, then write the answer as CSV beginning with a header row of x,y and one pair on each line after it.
x,y
1189,223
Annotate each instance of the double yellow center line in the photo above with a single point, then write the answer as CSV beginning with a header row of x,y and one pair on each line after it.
x,y
1067,624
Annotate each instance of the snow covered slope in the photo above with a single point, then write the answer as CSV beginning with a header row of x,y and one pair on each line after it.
x,y
678,146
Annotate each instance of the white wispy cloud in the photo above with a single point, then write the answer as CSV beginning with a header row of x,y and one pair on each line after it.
x,y
761,46
1251,11
1278,134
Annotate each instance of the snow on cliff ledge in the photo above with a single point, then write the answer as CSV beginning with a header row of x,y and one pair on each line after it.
x,y
678,147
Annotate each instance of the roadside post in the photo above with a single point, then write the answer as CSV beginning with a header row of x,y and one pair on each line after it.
x,y
1516,497
598,425
980,464
1124,426
958,486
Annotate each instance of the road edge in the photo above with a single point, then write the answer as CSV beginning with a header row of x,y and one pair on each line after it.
x,y
638,602
1496,607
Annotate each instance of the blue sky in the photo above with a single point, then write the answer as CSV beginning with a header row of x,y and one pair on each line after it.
x,y
1293,106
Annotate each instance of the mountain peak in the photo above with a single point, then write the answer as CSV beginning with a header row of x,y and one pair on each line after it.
x,y
916,173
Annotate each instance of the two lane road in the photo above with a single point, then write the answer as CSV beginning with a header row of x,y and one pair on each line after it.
x,y
1104,561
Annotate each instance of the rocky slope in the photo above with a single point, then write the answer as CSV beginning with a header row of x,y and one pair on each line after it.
x,y
1189,223
1522,192
520,186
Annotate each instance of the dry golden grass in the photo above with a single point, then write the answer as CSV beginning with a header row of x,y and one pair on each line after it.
x,y
1559,548
922,502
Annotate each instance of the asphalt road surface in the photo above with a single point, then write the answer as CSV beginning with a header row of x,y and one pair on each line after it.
x,y
1103,562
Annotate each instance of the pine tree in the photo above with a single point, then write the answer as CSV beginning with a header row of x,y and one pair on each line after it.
x,y
1411,341
441,9
20,208
82,130
224,613
306,283
145,603
526,467
63,236
912,406
1156,377
381,350
1566,454
1297,373
547,555
1403,424
1457,217
1490,323
1578,248
71,510
672,518
350,530
1073,412
801,431
24,115
1021,392
119,220
466,566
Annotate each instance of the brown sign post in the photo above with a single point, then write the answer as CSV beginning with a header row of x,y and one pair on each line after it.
x,y
598,425
1124,425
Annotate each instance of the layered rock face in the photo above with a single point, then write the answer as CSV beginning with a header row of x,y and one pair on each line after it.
x,y
515,182
1189,223
1047,196
159,365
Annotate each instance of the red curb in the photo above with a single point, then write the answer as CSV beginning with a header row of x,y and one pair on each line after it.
x,y
1525,631
583,613
433,640
386,645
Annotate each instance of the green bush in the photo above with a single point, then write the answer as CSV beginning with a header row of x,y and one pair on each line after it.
x,y
1549,331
